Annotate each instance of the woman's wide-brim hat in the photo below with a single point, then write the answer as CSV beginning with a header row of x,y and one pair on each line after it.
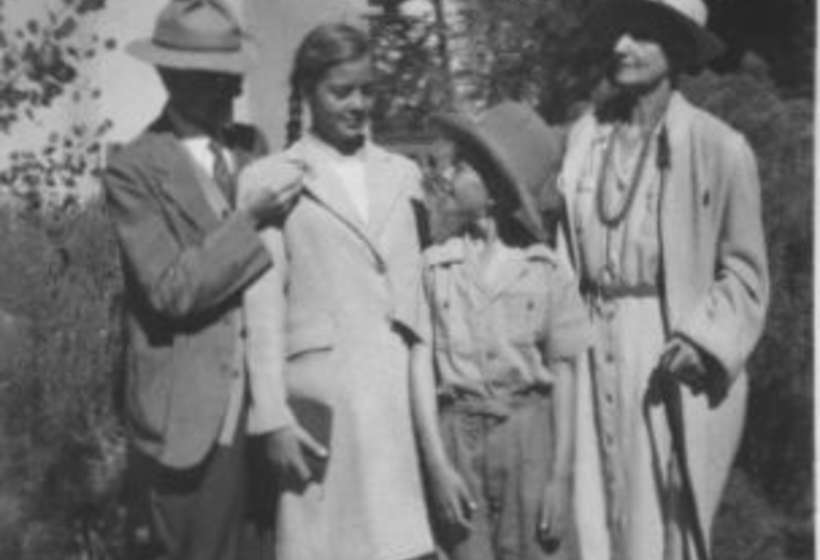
x,y
685,18
521,147
197,35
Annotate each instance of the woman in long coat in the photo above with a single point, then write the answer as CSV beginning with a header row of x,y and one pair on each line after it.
x,y
336,321
665,224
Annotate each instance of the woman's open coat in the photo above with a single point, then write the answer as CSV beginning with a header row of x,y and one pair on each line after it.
x,y
716,282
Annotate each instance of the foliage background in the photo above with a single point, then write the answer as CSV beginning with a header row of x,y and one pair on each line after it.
x,y
61,445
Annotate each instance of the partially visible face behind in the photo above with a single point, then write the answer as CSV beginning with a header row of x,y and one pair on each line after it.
x,y
205,98
340,104
639,63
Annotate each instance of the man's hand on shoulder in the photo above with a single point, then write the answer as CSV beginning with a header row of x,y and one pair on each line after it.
x,y
269,190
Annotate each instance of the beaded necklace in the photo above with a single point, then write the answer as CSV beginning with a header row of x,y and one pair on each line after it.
x,y
614,219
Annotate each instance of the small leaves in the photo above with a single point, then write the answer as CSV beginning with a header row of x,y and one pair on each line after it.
x,y
66,28
64,74
85,6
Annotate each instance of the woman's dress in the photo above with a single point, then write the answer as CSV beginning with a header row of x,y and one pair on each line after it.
x,y
619,264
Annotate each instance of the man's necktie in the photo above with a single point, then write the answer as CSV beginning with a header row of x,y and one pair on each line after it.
x,y
222,173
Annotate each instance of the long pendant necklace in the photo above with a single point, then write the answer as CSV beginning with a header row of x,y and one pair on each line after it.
x,y
611,220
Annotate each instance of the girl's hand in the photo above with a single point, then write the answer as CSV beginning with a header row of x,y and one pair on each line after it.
x,y
555,511
286,449
453,501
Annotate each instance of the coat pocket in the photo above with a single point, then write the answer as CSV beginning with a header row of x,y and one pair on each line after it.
x,y
148,391
307,335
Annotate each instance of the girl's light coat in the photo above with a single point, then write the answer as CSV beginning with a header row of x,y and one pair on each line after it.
x,y
716,281
331,321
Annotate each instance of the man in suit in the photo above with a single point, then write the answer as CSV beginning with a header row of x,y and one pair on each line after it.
x,y
188,256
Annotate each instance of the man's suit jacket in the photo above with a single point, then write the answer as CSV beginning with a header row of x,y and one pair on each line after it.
x,y
185,268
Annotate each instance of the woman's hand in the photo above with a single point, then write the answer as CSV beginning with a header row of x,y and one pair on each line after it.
x,y
555,511
683,360
286,449
453,502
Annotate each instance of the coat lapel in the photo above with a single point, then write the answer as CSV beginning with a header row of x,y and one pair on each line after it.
x,y
183,188
181,185
679,213
325,185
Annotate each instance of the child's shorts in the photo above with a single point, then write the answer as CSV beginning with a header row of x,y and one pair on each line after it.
x,y
504,450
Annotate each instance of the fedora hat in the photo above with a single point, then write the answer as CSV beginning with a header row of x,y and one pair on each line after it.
x,y
685,19
520,147
197,35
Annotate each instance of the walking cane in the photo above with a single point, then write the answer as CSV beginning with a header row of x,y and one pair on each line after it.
x,y
673,405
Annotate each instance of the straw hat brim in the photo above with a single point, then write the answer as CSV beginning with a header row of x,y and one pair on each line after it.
x,y
463,130
228,62
609,19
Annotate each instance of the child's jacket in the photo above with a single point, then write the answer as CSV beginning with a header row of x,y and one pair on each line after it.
x,y
495,340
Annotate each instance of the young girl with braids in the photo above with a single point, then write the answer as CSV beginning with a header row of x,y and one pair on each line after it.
x,y
339,322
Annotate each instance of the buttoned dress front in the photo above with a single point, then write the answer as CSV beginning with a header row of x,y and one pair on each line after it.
x,y
494,336
628,343
334,324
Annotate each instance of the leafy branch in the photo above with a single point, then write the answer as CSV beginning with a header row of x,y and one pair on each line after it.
x,y
42,61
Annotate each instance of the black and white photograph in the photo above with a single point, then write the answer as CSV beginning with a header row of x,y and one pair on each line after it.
x,y
407,279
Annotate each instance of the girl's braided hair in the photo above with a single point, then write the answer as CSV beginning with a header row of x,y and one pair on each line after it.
x,y
322,48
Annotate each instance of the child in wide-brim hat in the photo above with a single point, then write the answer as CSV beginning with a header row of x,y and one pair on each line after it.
x,y
508,324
